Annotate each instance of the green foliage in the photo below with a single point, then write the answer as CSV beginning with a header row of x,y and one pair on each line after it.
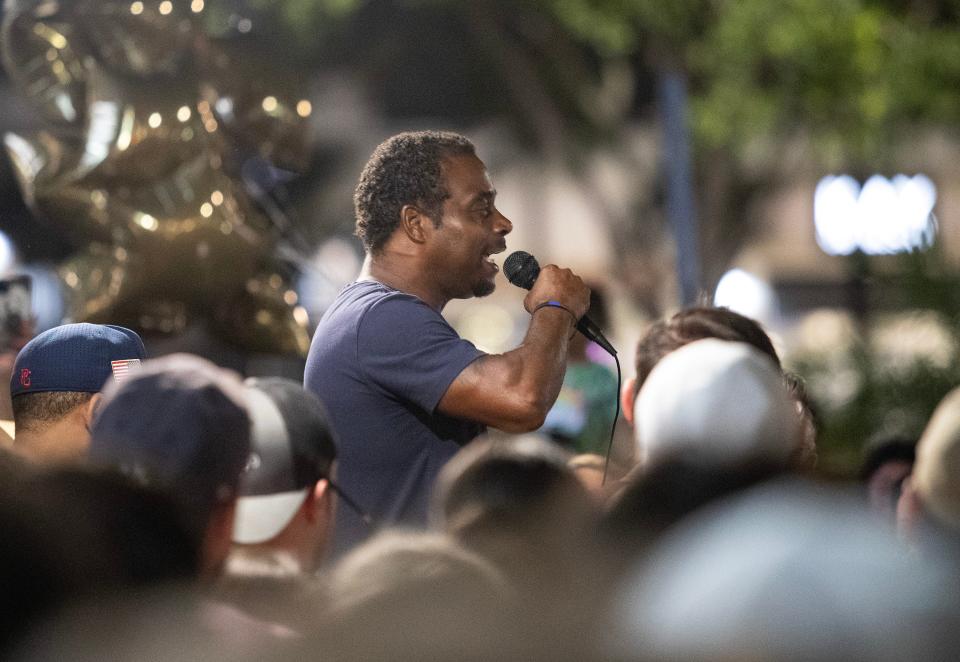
x,y
307,21
852,74
620,27
607,25
886,402
764,61
885,396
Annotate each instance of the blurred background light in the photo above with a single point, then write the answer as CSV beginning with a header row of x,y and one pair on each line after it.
x,y
7,253
489,325
903,339
883,217
46,295
334,265
224,106
745,293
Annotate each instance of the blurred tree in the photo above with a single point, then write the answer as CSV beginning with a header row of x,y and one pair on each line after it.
x,y
829,82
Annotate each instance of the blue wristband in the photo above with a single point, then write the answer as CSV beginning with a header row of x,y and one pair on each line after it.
x,y
555,304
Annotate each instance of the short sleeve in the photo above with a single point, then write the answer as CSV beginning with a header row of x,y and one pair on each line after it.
x,y
409,350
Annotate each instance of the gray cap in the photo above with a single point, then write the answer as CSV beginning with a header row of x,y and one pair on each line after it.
x,y
292,448
786,571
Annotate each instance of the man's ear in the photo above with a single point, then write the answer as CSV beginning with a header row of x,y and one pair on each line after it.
x,y
627,398
909,512
414,223
216,539
319,502
90,410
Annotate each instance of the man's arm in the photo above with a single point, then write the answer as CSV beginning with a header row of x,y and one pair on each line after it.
x,y
514,391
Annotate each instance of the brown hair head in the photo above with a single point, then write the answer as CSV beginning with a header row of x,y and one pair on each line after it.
x,y
696,324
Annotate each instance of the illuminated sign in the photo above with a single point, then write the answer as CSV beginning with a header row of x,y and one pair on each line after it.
x,y
883,217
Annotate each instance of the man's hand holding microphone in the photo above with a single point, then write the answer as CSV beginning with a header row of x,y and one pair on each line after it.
x,y
554,287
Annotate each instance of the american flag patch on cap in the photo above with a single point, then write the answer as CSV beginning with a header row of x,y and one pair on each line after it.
x,y
121,369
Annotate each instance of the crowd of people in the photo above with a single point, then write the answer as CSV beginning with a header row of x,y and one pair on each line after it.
x,y
165,508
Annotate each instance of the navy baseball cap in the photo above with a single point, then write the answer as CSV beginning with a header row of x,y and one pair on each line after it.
x,y
179,424
75,357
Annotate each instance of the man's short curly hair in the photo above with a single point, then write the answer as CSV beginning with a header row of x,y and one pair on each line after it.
x,y
405,169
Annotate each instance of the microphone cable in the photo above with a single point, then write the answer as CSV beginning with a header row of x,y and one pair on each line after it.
x,y
613,428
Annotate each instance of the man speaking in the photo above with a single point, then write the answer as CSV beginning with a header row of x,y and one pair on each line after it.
x,y
402,389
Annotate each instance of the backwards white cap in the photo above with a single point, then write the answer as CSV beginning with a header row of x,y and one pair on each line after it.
x,y
715,402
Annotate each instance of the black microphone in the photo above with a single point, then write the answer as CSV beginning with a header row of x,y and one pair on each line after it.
x,y
522,270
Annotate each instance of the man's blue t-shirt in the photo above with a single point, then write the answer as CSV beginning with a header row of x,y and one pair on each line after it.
x,y
380,362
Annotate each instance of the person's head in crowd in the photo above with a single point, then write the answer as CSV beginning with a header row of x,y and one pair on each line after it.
x,y
786,571
56,383
887,462
700,323
930,498
410,595
286,503
180,424
72,535
713,418
718,403
118,533
690,325
517,493
169,622
517,503
661,496
406,169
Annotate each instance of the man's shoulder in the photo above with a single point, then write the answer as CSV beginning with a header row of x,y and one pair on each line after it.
x,y
358,298
366,312
375,307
